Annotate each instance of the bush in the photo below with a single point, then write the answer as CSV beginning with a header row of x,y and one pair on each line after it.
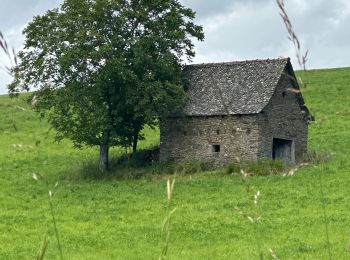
x,y
140,158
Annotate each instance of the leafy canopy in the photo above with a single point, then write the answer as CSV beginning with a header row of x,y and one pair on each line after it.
x,y
102,69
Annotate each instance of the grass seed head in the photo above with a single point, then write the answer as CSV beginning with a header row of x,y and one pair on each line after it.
x,y
256,197
35,176
170,188
272,254
250,219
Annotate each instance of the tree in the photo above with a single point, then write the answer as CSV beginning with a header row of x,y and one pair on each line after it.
x,y
102,69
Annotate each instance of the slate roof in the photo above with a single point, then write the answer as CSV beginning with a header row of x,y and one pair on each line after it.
x,y
240,87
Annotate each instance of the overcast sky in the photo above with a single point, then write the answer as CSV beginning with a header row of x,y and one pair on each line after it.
x,y
234,29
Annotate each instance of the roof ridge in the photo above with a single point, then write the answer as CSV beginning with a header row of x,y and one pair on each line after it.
x,y
239,62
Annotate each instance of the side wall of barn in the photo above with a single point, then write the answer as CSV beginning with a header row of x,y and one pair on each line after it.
x,y
217,139
283,119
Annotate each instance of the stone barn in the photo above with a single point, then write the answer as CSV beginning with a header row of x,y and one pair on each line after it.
x,y
238,111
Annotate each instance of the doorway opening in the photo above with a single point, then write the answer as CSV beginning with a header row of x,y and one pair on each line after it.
x,y
283,149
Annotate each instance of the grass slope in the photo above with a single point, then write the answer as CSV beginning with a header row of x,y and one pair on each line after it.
x,y
121,219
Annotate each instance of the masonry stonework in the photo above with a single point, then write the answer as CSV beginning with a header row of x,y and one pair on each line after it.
x,y
237,116
189,138
282,118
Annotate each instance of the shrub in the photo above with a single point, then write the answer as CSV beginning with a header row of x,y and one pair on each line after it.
x,y
140,158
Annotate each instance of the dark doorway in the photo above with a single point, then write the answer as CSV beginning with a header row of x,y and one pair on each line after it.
x,y
283,149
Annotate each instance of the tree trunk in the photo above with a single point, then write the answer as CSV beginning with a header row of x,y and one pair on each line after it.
x,y
104,157
134,143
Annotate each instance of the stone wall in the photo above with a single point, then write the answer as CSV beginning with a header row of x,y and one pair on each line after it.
x,y
187,138
282,118
240,137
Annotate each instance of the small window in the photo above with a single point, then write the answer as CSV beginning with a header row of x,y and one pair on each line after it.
x,y
216,148
185,133
217,131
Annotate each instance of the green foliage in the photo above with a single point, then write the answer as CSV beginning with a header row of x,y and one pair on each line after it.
x,y
191,166
142,164
262,167
43,248
121,218
141,158
233,168
104,69
316,157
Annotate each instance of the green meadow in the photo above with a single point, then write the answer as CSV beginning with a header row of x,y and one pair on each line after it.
x,y
120,215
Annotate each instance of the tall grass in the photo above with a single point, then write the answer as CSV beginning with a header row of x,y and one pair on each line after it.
x,y
50,194
261,167
302,60
43,248
325,217
165,233
254,216
9,53
292,36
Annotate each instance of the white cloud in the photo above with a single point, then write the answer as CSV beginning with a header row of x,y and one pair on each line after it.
x,y
15,14
252,29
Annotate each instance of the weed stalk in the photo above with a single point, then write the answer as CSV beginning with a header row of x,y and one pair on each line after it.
x,y
55,224
302,59
50,194
292,36
9,53
43,248
165,234
324,209
255,216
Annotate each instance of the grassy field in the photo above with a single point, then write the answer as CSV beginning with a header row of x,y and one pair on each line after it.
x,y
121,218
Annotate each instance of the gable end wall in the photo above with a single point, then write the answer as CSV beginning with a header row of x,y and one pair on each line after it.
x,y
282,118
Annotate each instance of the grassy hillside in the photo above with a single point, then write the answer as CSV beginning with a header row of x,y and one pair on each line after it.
x,y
120,218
